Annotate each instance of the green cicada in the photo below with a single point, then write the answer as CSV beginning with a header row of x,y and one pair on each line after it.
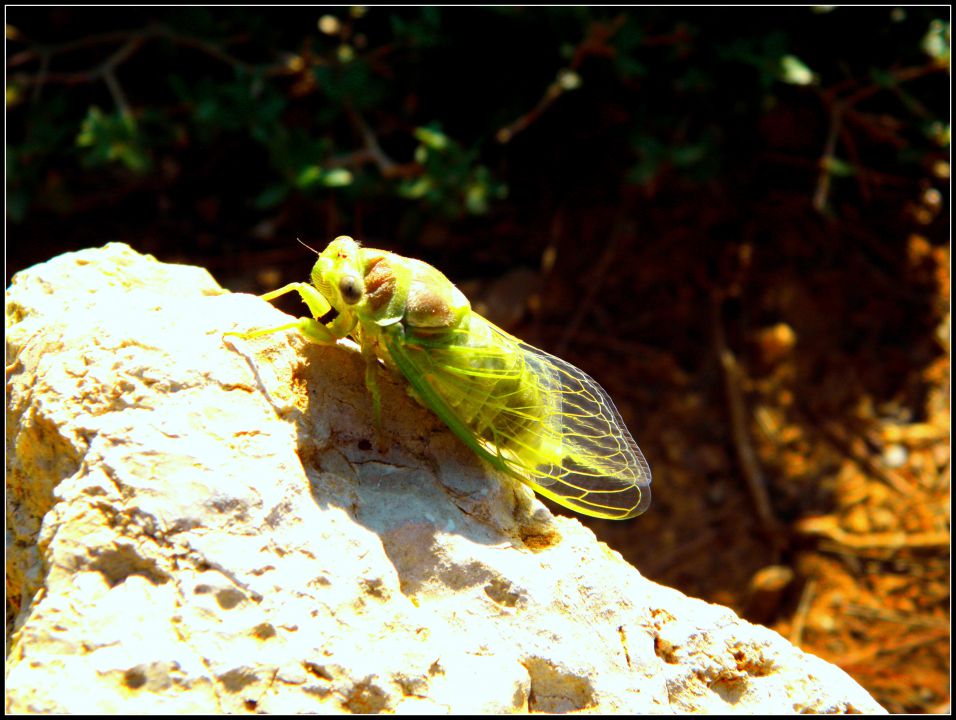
x,y
528,413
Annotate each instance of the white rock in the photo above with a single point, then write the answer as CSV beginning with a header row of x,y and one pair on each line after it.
x,y
197,526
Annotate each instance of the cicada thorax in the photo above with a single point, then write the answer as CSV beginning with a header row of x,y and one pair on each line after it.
x,y
399,289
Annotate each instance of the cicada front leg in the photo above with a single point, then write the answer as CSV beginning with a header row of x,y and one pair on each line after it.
x,y
310,327
371,384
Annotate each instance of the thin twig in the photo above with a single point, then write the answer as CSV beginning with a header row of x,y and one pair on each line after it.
x,y
595,42
826,161
596,285
874,613
132,41
827,527
44,70
803,610
372,152
553,92
908,642
97,72
746,454
854,159
39,51
841,109
834,434
203,46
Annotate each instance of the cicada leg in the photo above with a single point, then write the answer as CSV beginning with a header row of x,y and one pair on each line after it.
x,y
371,384
310,327
317,303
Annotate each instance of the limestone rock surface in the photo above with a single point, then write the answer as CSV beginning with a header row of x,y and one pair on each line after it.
x,y
200,526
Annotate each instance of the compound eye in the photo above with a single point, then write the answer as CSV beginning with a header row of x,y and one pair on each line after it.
x,y
350,289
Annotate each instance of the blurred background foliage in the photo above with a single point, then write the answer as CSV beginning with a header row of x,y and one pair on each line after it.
x,y
736,219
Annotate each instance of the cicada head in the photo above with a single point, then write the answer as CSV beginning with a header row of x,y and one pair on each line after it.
x,y
338,273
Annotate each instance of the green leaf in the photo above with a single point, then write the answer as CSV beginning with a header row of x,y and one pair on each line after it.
x,y
795,72
936,42
432,138
337,177
272,196
839,168
115,138
308,176
415,188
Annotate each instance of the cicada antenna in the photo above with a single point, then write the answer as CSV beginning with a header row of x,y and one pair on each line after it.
x,y
304,245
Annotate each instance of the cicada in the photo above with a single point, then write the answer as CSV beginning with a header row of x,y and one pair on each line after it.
x,y
527,413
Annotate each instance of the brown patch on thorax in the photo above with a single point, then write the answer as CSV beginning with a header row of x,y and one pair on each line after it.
x,y
429,308
379,282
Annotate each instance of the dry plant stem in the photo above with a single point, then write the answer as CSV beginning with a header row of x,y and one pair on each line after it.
x,y
595,42
149,32
826,528
600,270
853,155
116,91
39,52
838,439
888,616
105,71
554,91
803,610
907,643
843,109
372,152
823,180
756,482
209,49
131,41
44,70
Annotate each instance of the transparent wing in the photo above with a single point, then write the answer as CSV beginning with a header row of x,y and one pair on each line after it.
x,y
530,413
